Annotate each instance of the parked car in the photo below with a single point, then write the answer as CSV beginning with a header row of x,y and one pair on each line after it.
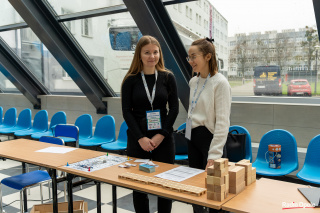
x,y
299,87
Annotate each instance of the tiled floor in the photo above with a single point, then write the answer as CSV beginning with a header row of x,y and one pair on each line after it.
x,y
88,193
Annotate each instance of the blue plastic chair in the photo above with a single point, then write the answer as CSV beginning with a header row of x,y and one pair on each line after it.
x,y
84,124
242,130
1,114
25,180
52,140
67,132
24,123
10,118
57,118
310,171
121,143
40,124
181,147
289,153
105,132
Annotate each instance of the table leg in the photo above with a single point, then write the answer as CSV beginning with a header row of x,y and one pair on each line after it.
x,y
114,198
25,197
53,175
70,196
98,184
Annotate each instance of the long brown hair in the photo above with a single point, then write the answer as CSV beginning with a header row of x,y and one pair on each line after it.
x,y
206,47
137,65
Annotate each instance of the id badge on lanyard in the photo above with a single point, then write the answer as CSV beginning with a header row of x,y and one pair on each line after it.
x,y
153,116
188,128
153,119
193,105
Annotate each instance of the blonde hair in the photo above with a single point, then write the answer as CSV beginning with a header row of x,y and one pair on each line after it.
x,y
207,47
137,65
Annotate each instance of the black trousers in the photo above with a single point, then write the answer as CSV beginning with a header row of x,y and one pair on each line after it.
x,y
163,153
198,148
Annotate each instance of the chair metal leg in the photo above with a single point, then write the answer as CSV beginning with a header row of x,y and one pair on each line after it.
x,y
80,185
65,191
21,201
49,184
1,206
41,193
27,168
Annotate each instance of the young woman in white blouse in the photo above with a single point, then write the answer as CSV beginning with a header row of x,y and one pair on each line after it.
x,y
209,107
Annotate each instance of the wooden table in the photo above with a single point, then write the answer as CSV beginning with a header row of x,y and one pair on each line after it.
x,y
267,196
24,150
110,175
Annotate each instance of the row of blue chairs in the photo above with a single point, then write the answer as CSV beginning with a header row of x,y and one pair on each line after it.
x,y
24,127
289,154
104,130
310,171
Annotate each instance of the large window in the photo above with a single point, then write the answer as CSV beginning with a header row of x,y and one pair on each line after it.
x,y
81,5
39,61
8,15
6,86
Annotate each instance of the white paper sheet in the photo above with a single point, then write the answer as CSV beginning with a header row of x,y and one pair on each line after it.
x,y
180,173
57,150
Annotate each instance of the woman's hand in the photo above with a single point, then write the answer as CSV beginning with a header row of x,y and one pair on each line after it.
x,y
156,140
210,163
146,144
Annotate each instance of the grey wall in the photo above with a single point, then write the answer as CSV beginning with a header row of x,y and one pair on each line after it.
x,y
258,118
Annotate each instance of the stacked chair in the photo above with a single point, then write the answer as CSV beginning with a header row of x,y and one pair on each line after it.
x,y
84,126
40,125
57,118
120,145
10,118
23,124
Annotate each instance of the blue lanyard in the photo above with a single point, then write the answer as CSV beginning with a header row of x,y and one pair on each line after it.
x,y
194,103
146,87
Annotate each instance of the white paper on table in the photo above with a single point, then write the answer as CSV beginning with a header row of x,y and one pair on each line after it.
x,y
142,160
180,173
57,150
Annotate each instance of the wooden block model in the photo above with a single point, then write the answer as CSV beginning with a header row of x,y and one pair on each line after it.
x,y
248,172
231,165
210,170
237,179
253,175
217,176
237,189
226,182
166,184
244,161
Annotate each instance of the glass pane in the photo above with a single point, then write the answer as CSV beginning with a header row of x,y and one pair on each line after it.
x,y
62,7
39,60
8,14
270,47
109,41
6,86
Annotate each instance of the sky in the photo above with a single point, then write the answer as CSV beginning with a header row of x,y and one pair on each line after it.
x,y
246,16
